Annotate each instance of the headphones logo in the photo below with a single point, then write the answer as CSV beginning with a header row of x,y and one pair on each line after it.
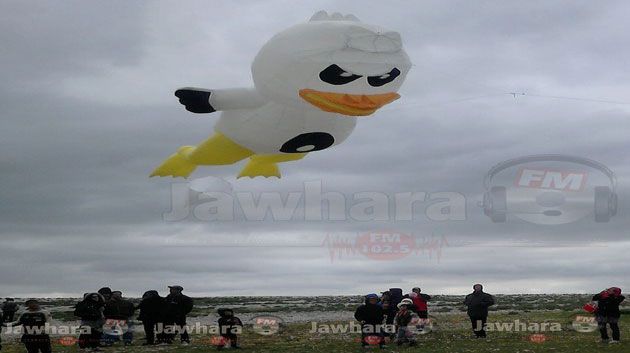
x,y
550,189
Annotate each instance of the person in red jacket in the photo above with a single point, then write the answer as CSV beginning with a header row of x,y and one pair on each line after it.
x,y
420,302
608,312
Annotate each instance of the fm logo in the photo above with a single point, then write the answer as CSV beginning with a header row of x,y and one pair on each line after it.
x,y
551,179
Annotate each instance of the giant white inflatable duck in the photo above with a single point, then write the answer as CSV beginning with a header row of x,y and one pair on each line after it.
x,y
311,82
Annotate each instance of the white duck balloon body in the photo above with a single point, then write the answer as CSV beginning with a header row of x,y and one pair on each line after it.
x,y
312,81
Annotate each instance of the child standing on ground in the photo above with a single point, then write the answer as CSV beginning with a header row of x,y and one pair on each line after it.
x,y
229,326
403,321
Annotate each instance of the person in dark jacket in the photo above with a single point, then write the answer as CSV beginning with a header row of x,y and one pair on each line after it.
x,y
385,298
478,303
395,296
370,315
230,327
118,308
118,313
151,315
9,308
176,307
90,311
33,322
106,293
608,312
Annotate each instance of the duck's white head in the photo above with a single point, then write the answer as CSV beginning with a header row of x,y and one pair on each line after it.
x,y
332,63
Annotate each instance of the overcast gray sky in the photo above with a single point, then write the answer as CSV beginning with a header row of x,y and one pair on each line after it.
x,y
87,112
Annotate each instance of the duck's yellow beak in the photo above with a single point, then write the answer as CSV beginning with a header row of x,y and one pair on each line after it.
x,y
347,104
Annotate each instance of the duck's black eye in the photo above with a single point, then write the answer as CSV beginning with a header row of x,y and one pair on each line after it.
x,y
335,75
377,81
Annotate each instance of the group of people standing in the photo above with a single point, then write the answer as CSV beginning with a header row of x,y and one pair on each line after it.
x,y
392,314
407,312
399,316
109,316
106,316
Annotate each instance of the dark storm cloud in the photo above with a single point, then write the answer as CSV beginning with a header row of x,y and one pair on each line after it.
x,y
87,112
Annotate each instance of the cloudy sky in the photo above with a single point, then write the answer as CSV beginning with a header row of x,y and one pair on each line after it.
x,y
87,111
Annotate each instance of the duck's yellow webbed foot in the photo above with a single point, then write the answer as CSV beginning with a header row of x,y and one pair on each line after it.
x,y
217,150
177,165
255,168
266,164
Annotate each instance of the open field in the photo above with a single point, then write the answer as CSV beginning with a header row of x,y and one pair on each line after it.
x,y
549,315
